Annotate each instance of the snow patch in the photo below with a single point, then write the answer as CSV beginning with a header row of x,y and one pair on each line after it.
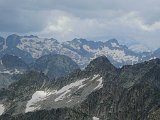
x,y
139,48
87,48
2,108
95,118
11,72
114,45
80,84
1,62
66,89
69,101
36,97
100,85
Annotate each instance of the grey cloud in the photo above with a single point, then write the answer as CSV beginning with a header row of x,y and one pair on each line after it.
x,y
66,19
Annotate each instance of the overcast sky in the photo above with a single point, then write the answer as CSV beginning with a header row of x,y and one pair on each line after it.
x,y
128,20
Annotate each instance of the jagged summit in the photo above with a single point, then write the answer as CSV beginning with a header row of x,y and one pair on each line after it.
x,y
100,64
113,41
79,40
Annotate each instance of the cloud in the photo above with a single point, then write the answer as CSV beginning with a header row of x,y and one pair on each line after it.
x,y
67,19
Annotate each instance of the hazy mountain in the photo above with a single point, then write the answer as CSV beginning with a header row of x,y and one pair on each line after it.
x,y
9,47
157,53
10,69
10,61
138,48
81,51
54,66
101,91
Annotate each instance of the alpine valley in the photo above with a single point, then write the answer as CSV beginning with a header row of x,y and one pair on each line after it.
x,y
43,79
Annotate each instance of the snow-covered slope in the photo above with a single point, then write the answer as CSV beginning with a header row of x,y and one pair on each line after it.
x,y
138,48
68,95
80,50
36,97
95,118
38,46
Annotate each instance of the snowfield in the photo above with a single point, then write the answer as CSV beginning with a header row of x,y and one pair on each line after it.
x,y
1,109
95,118
100,85
36,97
65,94
80,84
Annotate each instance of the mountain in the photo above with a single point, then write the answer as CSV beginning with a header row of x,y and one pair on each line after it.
x,y
81,51
99,92
9,47
55,66
10,61
10,68
157,53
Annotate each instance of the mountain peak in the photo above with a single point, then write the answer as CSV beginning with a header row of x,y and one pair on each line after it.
x,y
113,41
12,40
80,40
100,64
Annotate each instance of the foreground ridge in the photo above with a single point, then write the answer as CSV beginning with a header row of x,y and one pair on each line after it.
x,y
101,91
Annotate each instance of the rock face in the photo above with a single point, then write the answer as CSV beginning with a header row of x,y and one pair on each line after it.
x,y
55,114
101,91
81,51
55,66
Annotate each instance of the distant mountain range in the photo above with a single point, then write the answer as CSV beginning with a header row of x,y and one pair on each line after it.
x,y
99,92
82,51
